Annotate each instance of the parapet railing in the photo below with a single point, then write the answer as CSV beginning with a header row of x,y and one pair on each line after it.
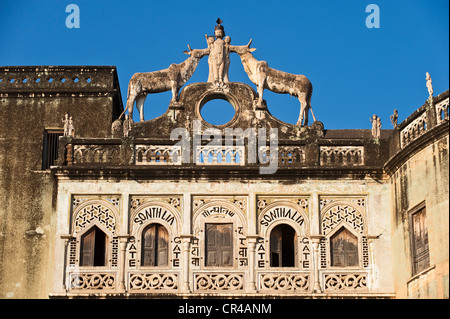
x,y
433,113
122,152
25,79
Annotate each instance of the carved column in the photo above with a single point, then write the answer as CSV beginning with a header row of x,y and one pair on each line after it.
x,y
316,245
66,239
185,247
122,249
251,262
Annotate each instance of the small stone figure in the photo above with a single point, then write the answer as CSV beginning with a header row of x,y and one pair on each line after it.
x,y
429,85
376,126
69,129
66,124
127,125
394,118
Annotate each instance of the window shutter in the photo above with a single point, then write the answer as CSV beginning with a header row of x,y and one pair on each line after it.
x,y
421,255
344,249
149,246
88,248
162,246
219,244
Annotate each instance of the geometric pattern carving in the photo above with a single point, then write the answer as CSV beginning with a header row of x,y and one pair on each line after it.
x,y
95,212
442,110
290,155
413,130
360,201
341,155
137,201
96,154
284,282
342,212
323,252
153,281
345,281
365,252
72,251
264,201
92,281
158,155
115,252
213,281
219,155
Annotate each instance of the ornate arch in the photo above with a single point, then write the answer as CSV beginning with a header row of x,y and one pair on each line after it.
x,y
200,213
293,215
145,215
98,212
338,213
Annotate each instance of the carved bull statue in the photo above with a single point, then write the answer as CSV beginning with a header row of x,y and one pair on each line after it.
x,y
172,78
276,81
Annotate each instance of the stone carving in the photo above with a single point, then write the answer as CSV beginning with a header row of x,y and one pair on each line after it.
x,y
338,213
219,55
172,78
284,282
442,110
96,154
429,85
220,155
413,130
376,126
92,281
222,281
276,81
69,129
95,211
153,281
345,281
342,155
158,155
127,125
394,118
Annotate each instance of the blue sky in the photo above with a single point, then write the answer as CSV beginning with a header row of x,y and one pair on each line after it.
x,y
355,71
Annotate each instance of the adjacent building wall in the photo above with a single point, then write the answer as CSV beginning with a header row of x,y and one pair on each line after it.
x,y
419,176
30,104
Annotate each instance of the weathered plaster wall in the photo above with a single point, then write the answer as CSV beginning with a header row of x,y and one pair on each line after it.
x,y
27,194
423,177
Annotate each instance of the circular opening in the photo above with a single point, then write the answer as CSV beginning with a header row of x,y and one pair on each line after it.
x,y
217,112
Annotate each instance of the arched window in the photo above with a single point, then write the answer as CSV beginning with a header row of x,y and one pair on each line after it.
x,y
93,248
282,246
344,249
155,246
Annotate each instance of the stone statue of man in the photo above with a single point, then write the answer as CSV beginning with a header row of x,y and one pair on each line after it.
x,y
394,118
429,85
218,55
376,126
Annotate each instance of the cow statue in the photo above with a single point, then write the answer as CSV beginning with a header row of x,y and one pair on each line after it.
x,y
172,78
276,81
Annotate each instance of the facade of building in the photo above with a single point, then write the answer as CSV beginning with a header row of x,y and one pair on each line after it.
x,y
178,207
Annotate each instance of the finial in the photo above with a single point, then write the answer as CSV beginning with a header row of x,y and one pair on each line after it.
x,y
219,21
